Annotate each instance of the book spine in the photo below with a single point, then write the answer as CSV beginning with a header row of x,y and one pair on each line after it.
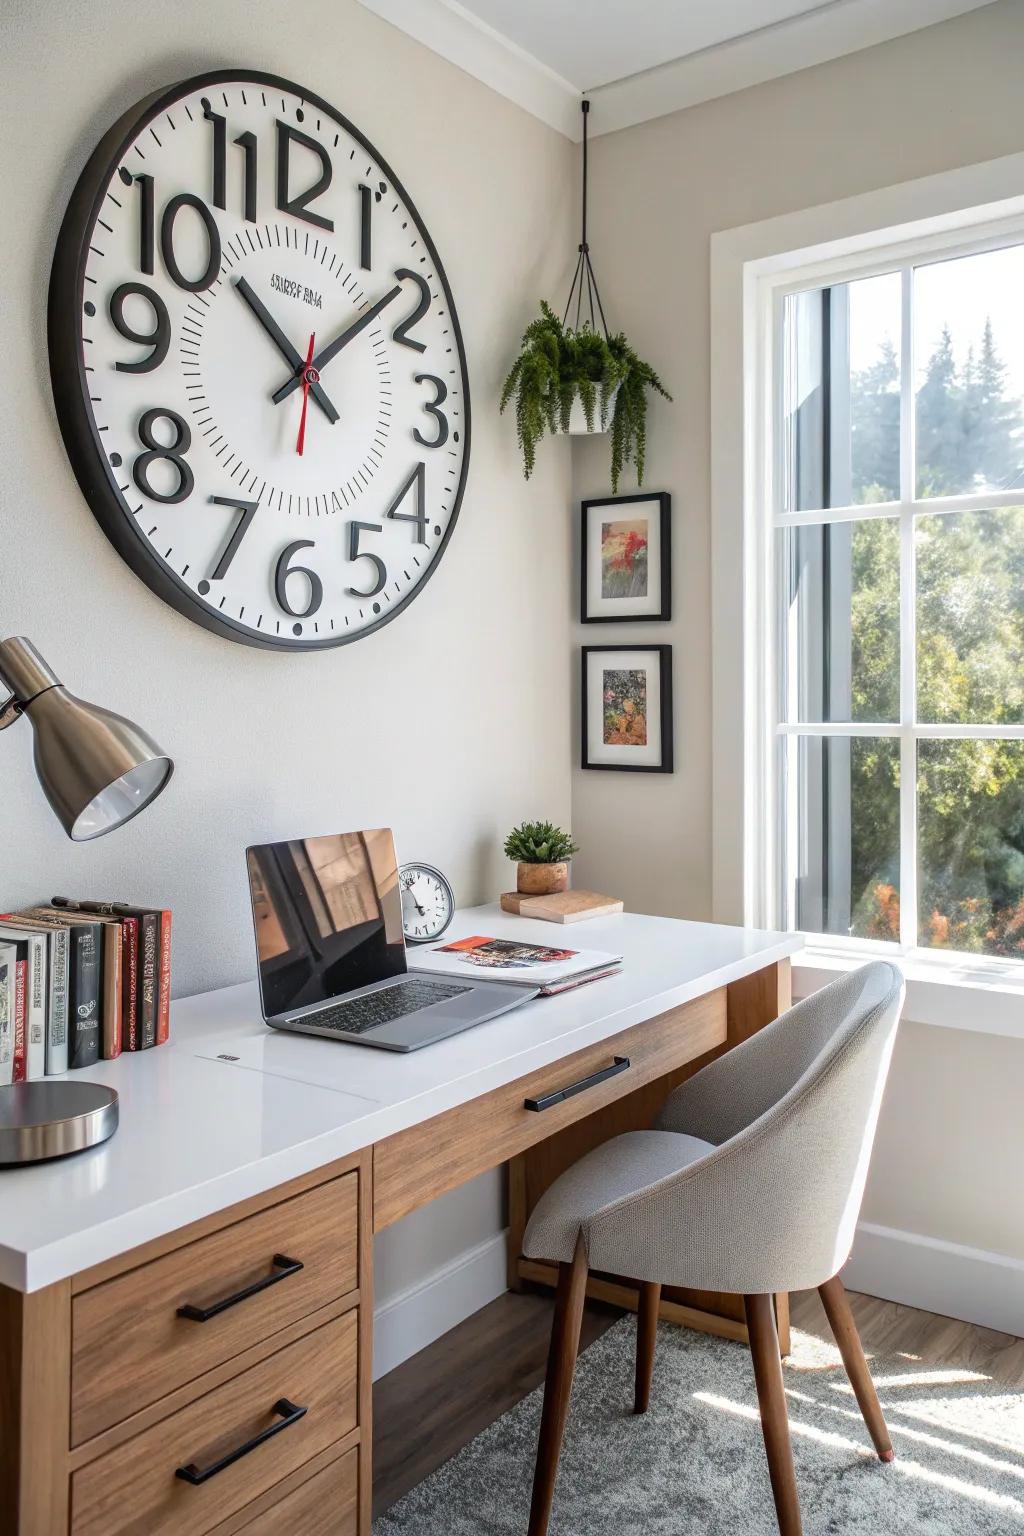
x,y
20,1055
163,1012
35,1008
57,1015
113,939
148,978
85,995
130,984
6,1021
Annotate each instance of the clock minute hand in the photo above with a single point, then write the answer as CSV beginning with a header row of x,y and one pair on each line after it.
x,y
334,347
283,345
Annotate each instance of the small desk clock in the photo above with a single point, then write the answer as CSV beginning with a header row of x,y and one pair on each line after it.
x,y
428,903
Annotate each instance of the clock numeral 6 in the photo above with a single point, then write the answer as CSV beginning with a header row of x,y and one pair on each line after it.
x,y
174,454
284,569
355,553
159,338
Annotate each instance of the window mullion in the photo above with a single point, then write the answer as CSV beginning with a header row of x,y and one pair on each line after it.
x,y
908,639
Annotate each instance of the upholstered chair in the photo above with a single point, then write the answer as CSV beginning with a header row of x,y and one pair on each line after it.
x,y
750,1182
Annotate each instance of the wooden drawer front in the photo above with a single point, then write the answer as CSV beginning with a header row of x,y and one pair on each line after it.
x,y
133,1489
130,1347
326,1505
416,1165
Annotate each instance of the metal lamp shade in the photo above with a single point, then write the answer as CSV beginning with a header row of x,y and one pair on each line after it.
x,y
97,769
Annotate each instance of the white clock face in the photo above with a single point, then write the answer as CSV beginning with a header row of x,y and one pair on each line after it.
x,y
428,903
270,415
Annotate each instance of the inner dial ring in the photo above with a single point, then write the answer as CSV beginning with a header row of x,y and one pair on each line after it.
x,y
210,338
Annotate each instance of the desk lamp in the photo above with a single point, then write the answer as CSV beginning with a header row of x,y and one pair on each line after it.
x,y
98,770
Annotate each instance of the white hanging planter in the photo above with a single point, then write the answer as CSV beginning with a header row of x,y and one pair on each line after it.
x,y
578,417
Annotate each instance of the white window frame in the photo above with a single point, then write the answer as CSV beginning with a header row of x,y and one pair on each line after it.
x,y
752,269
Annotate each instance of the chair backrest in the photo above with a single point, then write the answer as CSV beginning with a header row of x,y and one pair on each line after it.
x,y
794,1111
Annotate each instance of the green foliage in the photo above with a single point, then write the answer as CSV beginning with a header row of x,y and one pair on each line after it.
x,y
970,657
556,365
539,842
629,421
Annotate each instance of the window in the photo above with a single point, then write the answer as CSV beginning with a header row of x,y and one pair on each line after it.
x,y
895,721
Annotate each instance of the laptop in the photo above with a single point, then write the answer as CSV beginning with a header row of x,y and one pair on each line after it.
x,y
331,949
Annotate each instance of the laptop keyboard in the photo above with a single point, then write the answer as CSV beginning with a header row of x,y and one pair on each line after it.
x,y
376,1008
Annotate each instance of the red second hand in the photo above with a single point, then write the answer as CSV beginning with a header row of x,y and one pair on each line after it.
x,y
309,376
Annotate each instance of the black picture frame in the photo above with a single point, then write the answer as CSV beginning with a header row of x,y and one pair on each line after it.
x,y
637,499
666,764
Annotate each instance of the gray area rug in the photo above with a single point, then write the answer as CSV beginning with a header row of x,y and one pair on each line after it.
x,y
694,1464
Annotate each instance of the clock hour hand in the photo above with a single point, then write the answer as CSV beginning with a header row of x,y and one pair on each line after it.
x,y
334,347
283,345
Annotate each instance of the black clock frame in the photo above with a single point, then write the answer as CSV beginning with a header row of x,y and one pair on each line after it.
x,y
69,383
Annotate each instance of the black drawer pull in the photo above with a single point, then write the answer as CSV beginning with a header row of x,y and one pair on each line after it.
x,y
290,1414
283,1267
547,1100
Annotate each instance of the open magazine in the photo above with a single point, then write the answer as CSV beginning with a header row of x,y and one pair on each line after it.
x,y
543,966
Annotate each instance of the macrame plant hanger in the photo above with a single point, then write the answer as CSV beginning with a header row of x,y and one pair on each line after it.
x,y
584,283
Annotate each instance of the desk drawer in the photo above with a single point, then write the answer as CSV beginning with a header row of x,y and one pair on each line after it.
x,y
326,1505
134,1488
131,1347
416,1165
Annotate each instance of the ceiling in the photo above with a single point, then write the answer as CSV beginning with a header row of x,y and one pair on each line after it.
x,y
590,43
638,59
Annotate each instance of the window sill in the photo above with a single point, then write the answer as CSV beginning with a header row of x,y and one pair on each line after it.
x,y
952,995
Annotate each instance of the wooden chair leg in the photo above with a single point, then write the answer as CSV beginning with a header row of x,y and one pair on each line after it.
x,y
771,1398
565,1339
646,1337
840,1319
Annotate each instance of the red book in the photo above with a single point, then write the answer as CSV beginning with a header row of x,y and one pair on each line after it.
x,y
20,981
163,1009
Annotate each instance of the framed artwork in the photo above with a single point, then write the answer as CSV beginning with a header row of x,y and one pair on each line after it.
x,y
626,558
627,707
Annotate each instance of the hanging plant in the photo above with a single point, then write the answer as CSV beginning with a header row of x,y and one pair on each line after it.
x,y
578,378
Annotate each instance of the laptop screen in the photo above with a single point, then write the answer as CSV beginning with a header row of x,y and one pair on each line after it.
x,y
328,917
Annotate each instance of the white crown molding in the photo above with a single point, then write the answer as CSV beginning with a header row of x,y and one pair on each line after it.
x,y
833,29
464,40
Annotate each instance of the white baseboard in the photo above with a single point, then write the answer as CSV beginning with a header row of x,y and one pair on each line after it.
x,y
408,1322
968,1283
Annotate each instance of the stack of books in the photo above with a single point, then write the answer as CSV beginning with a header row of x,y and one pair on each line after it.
x,y
80,982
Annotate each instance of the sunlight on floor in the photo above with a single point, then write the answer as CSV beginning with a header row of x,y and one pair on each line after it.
x,y
911,1469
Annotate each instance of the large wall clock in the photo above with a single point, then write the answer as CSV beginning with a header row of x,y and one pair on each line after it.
x,y
257,365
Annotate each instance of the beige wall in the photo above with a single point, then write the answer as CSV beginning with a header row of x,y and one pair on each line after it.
x,y
437,724
449,724
937,99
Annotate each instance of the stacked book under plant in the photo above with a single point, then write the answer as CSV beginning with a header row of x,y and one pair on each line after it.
x,y
80,982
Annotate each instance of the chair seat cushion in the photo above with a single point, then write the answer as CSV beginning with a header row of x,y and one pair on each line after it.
x,y
624,1166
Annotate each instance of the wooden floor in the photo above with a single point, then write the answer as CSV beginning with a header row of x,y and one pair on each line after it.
x,y
436,1402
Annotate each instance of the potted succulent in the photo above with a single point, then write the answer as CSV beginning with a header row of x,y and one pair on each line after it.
x,y
542,852
567,380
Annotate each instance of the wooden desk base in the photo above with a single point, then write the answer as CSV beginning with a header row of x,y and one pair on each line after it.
x,y
51,1478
